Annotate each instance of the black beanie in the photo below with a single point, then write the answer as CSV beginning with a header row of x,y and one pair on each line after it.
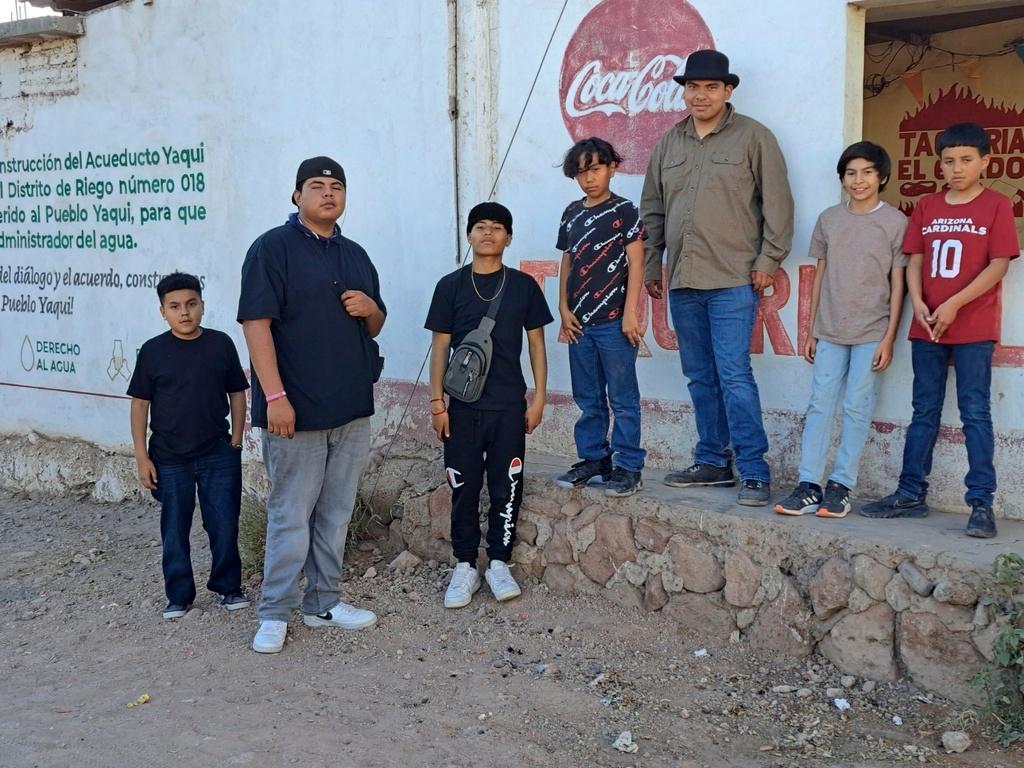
x,y
490,212
318,166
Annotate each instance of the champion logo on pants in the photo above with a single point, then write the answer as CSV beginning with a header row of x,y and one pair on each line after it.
x,y
451,475
515,469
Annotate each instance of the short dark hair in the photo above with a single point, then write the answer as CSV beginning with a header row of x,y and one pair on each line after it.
x,y
964,135
587,148
178,281
873,153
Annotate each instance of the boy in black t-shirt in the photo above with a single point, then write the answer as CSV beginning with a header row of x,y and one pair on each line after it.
x,y
489,435
179,385
601,239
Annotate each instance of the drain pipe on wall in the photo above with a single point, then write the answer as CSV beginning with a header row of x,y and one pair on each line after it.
x,y
453,116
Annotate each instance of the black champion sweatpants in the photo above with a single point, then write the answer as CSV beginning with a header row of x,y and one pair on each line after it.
x,y
491,442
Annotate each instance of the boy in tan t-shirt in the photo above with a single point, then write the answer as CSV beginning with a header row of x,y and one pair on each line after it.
x,y
855,312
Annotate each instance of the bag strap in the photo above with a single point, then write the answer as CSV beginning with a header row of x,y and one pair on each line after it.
x,y
487,321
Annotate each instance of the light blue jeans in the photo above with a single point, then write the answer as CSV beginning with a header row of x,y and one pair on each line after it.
x,y
834,364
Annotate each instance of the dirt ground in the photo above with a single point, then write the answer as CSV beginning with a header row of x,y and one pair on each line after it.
x,y
538,681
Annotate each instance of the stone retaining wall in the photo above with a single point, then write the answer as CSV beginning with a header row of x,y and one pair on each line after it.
x,y
876,611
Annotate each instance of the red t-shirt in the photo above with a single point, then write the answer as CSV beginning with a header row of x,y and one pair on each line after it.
x,y
958,242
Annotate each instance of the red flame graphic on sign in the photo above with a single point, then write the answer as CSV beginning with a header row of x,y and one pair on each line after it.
x,y
957,105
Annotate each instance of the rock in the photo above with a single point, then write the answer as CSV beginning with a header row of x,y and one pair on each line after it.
x,y
784,689
871,576
651,534
558,550
672,582
868,686
898,593
559,580
698,570
804,693
703,616
915,579
587,515
404,563
541,505
655,595
830,587
613,545
955,592
834,693
745,617
634,573
955,741
783,625
571,508
625,743
526,532
528,559
439,508
371,572
981,618
395,538
615,533
937,659
626,596
985,639
742,579
848,681
862,643
860,601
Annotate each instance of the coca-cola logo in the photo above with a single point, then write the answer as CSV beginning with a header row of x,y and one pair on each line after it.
x,y
617,71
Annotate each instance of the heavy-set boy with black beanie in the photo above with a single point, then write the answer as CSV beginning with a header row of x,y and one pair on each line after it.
x,y
487,436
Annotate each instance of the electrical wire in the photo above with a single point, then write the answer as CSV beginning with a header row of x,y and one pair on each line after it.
x,y
494,187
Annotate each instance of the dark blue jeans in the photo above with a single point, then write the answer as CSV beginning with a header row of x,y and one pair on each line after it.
x,y
218,477
602,365
973,365
714,328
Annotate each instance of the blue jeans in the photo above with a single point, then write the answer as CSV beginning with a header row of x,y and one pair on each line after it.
x,y
834,364
218,476
714,328
973,365
602,365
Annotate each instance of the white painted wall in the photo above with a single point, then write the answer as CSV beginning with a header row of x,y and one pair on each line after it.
x,y
367,82
261,90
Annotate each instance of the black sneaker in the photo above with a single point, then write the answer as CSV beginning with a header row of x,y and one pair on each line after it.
x,y
175,610
836,502
754,493
233,601
701,474
897,504
586,472
982,524
804,500
623,483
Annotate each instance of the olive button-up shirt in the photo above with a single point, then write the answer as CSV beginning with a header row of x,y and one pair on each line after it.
x,y
720,206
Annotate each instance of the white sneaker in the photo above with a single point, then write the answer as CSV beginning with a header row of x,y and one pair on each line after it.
x,y
343,616
270,636
464,584
500,580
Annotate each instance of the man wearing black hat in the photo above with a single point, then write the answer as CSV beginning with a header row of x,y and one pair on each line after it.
x,y
716,200
309,305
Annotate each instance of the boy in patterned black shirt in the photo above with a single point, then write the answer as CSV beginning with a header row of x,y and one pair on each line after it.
x,y
601,239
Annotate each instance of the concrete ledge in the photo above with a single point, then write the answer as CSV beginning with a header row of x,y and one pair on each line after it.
x,y
884,600
39,30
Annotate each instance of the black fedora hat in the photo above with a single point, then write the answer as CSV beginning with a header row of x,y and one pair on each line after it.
x,y
708,65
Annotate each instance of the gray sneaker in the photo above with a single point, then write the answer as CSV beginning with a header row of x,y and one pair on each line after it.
x,y
233,601
701,475
754,493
